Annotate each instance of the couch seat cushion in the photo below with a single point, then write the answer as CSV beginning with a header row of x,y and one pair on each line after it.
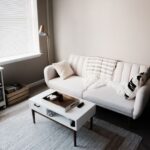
x,y
72,85
108,98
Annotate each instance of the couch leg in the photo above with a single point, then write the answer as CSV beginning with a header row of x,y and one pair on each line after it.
x,y
130,123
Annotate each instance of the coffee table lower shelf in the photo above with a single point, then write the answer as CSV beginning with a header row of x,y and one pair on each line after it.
x,y
74,132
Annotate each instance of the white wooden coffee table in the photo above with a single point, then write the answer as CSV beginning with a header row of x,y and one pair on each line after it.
x,y
73,119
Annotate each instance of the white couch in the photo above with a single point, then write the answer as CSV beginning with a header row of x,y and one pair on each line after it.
x,y
104,96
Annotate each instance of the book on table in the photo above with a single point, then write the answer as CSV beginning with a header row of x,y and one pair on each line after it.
x,y
64,101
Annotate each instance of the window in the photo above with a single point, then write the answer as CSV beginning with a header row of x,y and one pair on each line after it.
x,y
19,38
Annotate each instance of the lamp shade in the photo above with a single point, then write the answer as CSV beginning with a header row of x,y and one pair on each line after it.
x,y
42,31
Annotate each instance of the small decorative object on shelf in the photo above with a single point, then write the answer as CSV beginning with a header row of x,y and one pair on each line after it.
x,y
12,87
50,113
2,91
16,92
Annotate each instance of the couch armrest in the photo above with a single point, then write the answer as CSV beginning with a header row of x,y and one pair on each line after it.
x,y
49,73
142,97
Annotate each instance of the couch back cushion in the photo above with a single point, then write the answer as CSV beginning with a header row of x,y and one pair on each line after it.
x,y
125,71
77,63
107,69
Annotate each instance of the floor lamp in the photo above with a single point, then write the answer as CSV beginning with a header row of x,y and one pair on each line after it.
x,y
43,33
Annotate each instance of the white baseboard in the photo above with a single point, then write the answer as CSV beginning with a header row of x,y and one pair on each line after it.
x,y
31,85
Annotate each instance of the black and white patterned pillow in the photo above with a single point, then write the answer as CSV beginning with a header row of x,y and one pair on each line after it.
x,y
134,84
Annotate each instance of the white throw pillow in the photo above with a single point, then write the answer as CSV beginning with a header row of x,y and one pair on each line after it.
x,y
63,69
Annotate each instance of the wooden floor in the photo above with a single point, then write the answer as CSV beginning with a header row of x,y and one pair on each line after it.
x,y
11,110
140,126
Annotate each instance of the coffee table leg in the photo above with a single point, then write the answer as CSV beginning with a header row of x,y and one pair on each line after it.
x,y
33,116
75,138
91,123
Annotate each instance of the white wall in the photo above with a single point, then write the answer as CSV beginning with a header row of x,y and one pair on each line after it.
x,y
111,28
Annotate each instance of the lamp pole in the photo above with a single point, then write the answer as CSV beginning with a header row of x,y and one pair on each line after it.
x,y
43,33
48,29
48,49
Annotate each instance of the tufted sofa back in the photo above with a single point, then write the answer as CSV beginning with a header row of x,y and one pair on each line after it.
x,y
125,71
101,67
77,63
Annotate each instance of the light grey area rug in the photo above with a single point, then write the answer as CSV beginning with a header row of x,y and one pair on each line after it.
x,y
17,132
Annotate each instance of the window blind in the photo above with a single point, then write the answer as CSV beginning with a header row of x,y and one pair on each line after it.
x,y
18,30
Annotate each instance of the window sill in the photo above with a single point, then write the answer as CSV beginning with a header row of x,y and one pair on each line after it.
x,y
14,59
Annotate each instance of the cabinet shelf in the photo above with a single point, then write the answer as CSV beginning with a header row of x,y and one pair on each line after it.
x,y
2,91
